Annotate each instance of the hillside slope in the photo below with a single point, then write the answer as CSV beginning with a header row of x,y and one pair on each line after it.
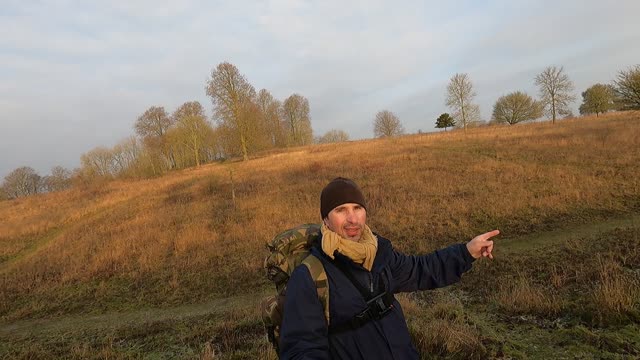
x,y
125,246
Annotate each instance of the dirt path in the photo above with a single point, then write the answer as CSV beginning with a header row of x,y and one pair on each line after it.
x,y
83,322
548,238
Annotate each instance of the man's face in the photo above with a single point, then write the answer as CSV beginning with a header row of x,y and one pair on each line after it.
x,y
347,220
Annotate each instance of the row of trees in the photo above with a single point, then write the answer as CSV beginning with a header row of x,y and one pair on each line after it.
x,y
250,121
247,121
554,86
244,122
555,97
25,181
622,94
184,138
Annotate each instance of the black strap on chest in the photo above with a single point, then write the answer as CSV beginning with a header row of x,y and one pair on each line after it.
x,y
379,302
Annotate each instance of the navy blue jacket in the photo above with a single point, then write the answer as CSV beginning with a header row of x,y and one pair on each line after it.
x,y
304,333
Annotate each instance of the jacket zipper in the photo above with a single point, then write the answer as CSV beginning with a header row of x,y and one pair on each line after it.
x,y
370,283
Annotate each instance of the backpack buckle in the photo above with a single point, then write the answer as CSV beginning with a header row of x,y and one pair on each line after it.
x,y
378,305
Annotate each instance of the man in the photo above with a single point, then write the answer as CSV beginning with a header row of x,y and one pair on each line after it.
x,y
363,271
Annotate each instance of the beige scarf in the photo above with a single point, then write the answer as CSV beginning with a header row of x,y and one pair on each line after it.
x,y
361,252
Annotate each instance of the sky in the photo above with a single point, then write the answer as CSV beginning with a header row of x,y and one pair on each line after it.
x,y
75,75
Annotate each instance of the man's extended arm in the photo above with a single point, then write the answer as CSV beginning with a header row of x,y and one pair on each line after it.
x,y
440,268
304,332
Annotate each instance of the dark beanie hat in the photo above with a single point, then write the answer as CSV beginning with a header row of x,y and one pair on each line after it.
x,y
340,191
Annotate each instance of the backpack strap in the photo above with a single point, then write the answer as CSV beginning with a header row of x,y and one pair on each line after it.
x,y
366,293
379,303
319,276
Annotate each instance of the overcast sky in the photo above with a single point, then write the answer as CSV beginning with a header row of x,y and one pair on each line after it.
x,y
75,75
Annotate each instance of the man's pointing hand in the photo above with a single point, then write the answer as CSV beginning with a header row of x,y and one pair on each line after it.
x,y
481,245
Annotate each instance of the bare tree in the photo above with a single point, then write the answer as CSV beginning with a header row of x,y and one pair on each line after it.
x,y
23,181
98,162
555,91
295,111
460,95
232,96
126,157
627,87
192,128
153,123
270,110
152,127
60,179
516,107
387,124
333,136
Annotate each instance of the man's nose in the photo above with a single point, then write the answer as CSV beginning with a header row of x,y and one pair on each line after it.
x,y
351,216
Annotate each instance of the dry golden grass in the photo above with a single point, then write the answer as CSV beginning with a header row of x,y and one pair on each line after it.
x,y
519,296
615,292
440,326
181,238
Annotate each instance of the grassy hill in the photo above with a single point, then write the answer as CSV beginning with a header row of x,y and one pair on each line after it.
x,y
172,266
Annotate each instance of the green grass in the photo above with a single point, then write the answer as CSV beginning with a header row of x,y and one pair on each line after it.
x,y
228,327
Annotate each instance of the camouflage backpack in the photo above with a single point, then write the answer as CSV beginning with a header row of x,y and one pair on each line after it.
x,y
286,251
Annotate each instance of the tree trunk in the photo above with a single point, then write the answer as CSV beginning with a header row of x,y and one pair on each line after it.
x,y
196,152
243,146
